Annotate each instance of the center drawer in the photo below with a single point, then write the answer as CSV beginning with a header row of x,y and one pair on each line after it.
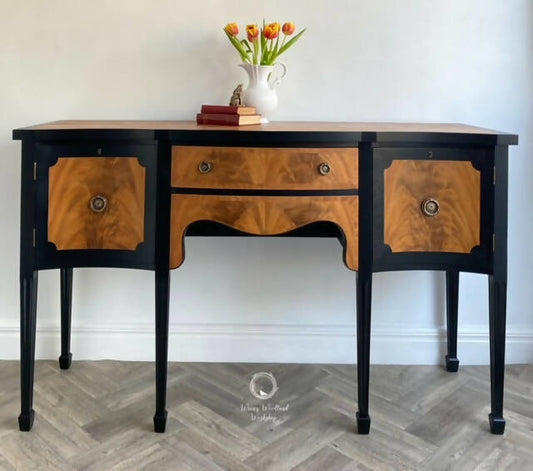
x,y
251,168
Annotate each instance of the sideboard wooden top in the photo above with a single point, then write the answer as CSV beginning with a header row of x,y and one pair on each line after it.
x,y
365,131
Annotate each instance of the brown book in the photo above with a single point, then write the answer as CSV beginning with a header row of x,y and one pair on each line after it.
x,y
228,119
227,109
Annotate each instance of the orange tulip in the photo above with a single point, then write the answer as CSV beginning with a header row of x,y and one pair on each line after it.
x,y
232,29
253,32
288,28
272,31
263,45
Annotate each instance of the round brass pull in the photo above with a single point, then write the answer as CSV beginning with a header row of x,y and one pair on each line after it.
x,y
430,207
98,203
205,167
324,168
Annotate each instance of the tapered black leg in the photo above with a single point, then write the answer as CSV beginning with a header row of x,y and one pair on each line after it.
x,y
162,281
28,311
497,313
364,301
498,292
66,309
452,304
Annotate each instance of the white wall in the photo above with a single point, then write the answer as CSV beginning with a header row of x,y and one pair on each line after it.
x,y
464,61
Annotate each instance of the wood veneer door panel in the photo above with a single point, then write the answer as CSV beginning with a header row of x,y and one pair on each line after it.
x,y
264,215
74,181
265,168
456,186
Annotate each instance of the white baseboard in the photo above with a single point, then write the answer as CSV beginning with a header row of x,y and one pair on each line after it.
x,y
267,343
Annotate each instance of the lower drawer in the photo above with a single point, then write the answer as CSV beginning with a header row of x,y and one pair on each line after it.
x,y
264,215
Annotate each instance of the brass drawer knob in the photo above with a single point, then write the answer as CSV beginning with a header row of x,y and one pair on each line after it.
x,y
205,167
324,168
430,207
98,203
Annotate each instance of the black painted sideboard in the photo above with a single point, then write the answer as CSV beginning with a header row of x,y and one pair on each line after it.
x,y
397,196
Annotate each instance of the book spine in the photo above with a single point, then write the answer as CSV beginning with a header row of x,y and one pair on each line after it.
x,y
213,118
227,109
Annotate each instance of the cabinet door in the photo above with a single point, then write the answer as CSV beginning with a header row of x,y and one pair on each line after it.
x,y
95,204
431,208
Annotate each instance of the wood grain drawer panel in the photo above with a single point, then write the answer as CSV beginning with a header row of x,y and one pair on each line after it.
x,y
264,215
456,186
265,168
74,181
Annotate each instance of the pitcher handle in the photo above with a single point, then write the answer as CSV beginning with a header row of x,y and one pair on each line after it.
x,y
275,80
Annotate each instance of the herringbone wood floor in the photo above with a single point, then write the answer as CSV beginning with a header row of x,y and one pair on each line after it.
x,y
98,416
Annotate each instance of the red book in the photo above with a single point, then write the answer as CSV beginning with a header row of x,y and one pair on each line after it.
x,y
227,109
228,119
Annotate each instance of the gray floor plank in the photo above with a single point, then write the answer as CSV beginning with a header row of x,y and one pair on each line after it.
x,y
300,444
216,454
216,428
98,416
329,459
26,451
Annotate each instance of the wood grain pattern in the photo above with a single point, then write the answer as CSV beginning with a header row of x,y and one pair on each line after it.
x,y
307,126
425,419
264,215
265,168
74,181
455,185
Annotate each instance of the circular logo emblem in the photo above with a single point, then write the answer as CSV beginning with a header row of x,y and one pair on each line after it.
x,y
263,385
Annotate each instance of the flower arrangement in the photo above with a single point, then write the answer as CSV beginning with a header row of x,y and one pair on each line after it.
x,y
262,46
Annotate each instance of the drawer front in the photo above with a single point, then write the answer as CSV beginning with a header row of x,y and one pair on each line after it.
x,y
432,206
264,215
96,203
265,168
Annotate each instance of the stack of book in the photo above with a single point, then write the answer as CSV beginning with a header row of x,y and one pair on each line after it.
x,y
228,115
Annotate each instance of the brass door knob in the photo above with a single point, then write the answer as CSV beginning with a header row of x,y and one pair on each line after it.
x,y
430,207
98,203
324,168
205,167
